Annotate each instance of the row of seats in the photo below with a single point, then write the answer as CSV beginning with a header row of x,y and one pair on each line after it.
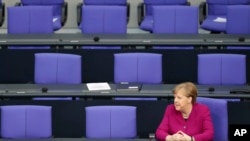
x,y
33,121
214,13
112,20
217,69
59,8
30,121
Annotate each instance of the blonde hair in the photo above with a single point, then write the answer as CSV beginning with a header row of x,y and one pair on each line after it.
x,y
189,87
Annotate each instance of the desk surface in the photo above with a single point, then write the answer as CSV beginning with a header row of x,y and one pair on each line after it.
x,y
29,39
73,139
124,39
156,39
81,90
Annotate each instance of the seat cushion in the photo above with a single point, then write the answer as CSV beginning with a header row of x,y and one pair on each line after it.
x,y
57,23
211,25
147,23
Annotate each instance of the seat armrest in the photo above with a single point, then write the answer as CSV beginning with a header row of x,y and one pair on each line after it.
x,y
2,14
128,12
140,13
202,11
64,13
79,13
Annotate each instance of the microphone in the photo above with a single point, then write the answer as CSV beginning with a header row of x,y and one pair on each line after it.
x,y
241,39
44,89
210,89
96,39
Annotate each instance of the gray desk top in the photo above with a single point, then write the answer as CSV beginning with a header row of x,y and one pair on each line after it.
x,y
29,39
123,39
160,91
73,139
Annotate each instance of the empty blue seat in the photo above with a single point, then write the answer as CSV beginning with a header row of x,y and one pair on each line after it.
x,y
215,13
175,20
60,10
103,20
238,25
30,20
145,11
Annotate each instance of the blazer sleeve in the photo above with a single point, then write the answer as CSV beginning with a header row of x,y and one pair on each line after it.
x,y
208,130
162,130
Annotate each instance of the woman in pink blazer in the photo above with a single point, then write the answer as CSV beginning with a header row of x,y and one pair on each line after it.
x,y
186,120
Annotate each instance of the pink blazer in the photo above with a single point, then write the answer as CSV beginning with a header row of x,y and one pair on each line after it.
x,y
199,124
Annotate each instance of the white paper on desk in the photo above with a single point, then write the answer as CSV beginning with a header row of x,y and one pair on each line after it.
x,y
220,20
98,86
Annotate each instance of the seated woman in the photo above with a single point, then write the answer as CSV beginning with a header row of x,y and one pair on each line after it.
x,y
186,120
